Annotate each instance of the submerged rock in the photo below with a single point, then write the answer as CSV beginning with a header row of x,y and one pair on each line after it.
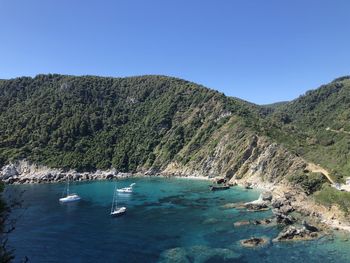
x,y
174,255
262,222
241,223
210,221
254,242
203,254
257,205
198,254
239,205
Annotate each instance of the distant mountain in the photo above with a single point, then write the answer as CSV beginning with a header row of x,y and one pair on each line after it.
x,y
275,105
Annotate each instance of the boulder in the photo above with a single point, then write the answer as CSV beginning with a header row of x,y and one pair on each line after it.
x,y
286,209
284,219
256,206
221,180
109,176
262,222
309,227
8,171
266,196
248,186
253,242
232,183
294,233
288,196
278,202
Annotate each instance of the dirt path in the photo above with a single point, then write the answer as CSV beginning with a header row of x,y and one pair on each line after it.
x,y
318,169
337,131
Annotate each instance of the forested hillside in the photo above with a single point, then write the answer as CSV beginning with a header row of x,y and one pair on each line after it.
x,y
317,126
92,123
144,122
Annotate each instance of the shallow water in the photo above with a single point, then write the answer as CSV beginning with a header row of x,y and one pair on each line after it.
x,y
167,220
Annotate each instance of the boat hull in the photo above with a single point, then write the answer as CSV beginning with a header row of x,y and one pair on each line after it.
x,y
124,191
69,199
119,212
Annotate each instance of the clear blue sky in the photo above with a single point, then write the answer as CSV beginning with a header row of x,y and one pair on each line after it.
x,y
259,50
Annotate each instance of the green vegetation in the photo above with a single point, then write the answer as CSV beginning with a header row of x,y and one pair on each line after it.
x,y
310,182
92,123
330,196
144,122
138,123
316,126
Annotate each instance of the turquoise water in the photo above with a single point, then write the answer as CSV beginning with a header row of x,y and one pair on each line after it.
x,y
168,220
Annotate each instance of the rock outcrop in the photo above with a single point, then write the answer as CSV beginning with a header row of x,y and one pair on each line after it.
x,y
295,233
23,172
254,242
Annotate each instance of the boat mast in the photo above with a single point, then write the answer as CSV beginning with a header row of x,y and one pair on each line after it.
x,y
112,209
68,185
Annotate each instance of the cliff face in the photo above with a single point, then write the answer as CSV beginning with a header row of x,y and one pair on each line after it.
x,y
240,155
143,124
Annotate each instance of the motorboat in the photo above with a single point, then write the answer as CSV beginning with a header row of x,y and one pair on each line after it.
x,y
128,189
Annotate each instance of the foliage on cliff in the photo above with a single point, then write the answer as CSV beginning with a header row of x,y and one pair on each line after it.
x,y
316,126
92,123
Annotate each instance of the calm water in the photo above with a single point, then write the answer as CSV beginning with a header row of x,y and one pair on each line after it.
x,y
168,220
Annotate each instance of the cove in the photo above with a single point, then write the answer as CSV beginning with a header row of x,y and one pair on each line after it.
x,y
167,220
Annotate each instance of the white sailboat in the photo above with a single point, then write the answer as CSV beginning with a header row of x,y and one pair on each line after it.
x,y
69,197
126,189
115,210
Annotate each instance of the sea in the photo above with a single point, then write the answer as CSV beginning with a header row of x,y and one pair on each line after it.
x,y
167,220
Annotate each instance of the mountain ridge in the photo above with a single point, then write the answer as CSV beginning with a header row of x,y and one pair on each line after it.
x,y
169,125
282,115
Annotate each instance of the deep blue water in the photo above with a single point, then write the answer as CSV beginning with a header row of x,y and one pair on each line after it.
x,y
167,220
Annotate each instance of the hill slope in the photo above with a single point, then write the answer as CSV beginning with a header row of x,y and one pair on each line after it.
x,y
92,123
317,126
169,125
158,122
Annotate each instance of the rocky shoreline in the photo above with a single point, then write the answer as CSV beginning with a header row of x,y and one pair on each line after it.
x,y
294,228
22,172
282,199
